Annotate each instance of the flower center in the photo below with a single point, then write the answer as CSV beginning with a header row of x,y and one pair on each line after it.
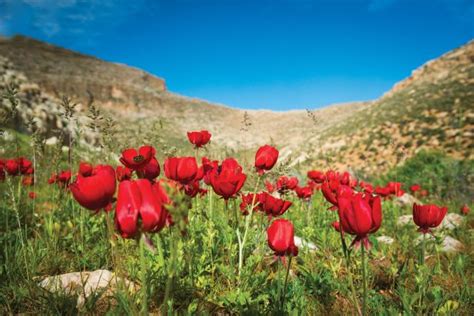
x,y
138,159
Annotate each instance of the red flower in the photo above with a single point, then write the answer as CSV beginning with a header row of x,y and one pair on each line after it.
x,y
366,187
336,225
392,188
207,167
270,187
428,216
247,200
139,199
181,169
12,167
52,179
281,238
28,181
199,139
123,173
465,209
137,160
228,178
151,171
396,188
265,158
32,195
25,165
193,189
331,188
359,215
414,188
96,190
316,176
304,193
64,177
85,169
424,193
273,206
284,183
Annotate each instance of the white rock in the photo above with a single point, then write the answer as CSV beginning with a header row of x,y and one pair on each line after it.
x,y
385,240
51,141
448,244
84,284
451,245
407,200
404,220
451,221
301,243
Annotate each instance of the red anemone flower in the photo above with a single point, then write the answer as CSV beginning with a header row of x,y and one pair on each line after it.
x,y
199,138
428,216
273,206
123,173
64,177
181,169
415,188
137,160
281,237
465,209
247,200
265,158
96,190
360,214
207,167
28,181
316,176
139,199
151,171
227,179
12,167
284,183
25,165
304,193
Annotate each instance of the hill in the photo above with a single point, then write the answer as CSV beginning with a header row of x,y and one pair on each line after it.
x,y
432,109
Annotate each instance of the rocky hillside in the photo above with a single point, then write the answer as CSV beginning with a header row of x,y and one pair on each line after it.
x,y
434,108
431,109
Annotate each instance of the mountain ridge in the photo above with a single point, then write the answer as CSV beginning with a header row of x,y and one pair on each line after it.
x,y
343,135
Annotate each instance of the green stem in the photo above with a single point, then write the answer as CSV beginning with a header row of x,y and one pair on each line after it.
x,y
349,273
171,268
364,279
283,296
144,288
422,257
247,225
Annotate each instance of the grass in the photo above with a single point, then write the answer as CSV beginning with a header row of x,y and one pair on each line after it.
x,y
53,234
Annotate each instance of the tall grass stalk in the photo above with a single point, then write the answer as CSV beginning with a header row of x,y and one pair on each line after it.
x,y
248,220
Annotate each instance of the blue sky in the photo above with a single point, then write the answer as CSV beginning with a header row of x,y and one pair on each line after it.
x,y
274,54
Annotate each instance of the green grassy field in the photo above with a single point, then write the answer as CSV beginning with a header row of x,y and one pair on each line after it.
x,y
195,264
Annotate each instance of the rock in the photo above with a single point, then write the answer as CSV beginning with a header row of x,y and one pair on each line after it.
x,y
451,245
451,221
301,243
407,200
51,141
448,244
85,284
404,220
385,240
